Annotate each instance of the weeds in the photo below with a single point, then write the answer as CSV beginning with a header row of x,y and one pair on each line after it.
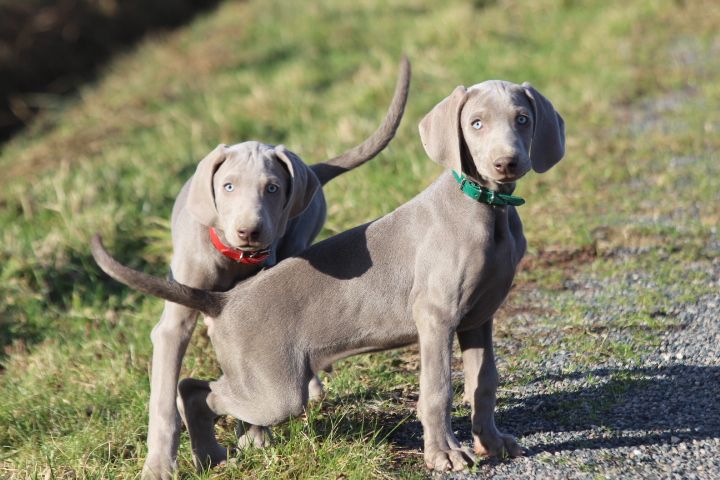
x,y
634,81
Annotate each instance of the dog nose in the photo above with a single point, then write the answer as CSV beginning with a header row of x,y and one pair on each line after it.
x,y
249,233
506,165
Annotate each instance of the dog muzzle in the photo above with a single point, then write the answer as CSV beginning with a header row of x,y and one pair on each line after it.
x,y
249,257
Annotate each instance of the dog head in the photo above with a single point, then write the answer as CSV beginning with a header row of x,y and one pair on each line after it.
x,y
496,130
250,191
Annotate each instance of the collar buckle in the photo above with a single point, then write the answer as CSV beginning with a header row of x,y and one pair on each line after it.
x,y
256,254
491,197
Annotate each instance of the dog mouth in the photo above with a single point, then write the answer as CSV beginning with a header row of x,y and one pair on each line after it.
x,y
247,247
506,180
247,252
252,250
509,178
502,178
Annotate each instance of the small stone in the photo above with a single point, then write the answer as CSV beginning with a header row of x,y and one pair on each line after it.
x,y
674,439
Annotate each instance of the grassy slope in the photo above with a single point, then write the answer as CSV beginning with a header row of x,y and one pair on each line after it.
x,y
637,83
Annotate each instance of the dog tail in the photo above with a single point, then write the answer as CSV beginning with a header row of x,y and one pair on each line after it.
x,y
376,142
208,302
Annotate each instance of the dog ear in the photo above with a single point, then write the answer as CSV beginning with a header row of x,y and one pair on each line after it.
x,y
201,196
303,182
548,141
440,130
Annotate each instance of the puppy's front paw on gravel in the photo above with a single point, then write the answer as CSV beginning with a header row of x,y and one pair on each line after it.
x,y
498,445
443,460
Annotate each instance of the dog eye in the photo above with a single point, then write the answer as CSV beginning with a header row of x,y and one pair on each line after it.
x,y
271,188
229,187
522,119
477,124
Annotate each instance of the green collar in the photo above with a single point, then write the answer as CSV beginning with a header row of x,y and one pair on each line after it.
x,y
485,195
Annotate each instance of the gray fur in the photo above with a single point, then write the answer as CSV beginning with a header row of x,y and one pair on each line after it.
x,y
438,266
286,220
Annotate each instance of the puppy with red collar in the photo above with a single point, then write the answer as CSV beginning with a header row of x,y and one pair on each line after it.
x,y
247,206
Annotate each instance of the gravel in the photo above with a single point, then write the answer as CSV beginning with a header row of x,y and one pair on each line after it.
x,y
654,416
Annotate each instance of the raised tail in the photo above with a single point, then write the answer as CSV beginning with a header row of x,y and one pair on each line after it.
x,y
376,142
208,302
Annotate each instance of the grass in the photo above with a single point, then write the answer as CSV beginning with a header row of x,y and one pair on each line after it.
x,y
637,83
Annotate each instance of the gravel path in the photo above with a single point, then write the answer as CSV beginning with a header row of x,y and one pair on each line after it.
x,y
657,417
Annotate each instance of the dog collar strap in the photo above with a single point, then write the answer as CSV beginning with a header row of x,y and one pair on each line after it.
x,y
250,258
485,195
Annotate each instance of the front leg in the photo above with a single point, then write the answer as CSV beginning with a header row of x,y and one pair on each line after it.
x,y
170,338
442,450
481,381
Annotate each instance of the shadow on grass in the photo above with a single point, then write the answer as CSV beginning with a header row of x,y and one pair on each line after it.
x,y
47,294
383,415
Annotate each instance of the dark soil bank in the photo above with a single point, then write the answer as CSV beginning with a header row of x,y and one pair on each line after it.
x,y
49,47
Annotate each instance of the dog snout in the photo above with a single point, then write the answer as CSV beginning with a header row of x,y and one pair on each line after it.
x,y
506,165
250,233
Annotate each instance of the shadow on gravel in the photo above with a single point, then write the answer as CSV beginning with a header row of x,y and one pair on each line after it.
x,y
624,407
621,408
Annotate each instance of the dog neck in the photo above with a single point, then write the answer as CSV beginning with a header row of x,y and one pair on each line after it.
x,y
493,219
483,194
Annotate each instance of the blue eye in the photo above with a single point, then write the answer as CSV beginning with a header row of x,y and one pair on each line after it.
x,y
271,188
477,124
522,119
229,187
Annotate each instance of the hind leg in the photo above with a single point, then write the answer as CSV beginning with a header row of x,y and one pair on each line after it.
x,y
252,435
199,404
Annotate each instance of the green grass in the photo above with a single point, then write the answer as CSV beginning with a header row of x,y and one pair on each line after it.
x,y
637,83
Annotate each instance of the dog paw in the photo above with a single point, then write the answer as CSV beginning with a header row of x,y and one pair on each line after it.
x,y
498,445
209,456
443,460
316,391
258,437
155,469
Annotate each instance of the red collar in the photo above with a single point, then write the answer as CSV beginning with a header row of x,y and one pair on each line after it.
x,y
250,258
